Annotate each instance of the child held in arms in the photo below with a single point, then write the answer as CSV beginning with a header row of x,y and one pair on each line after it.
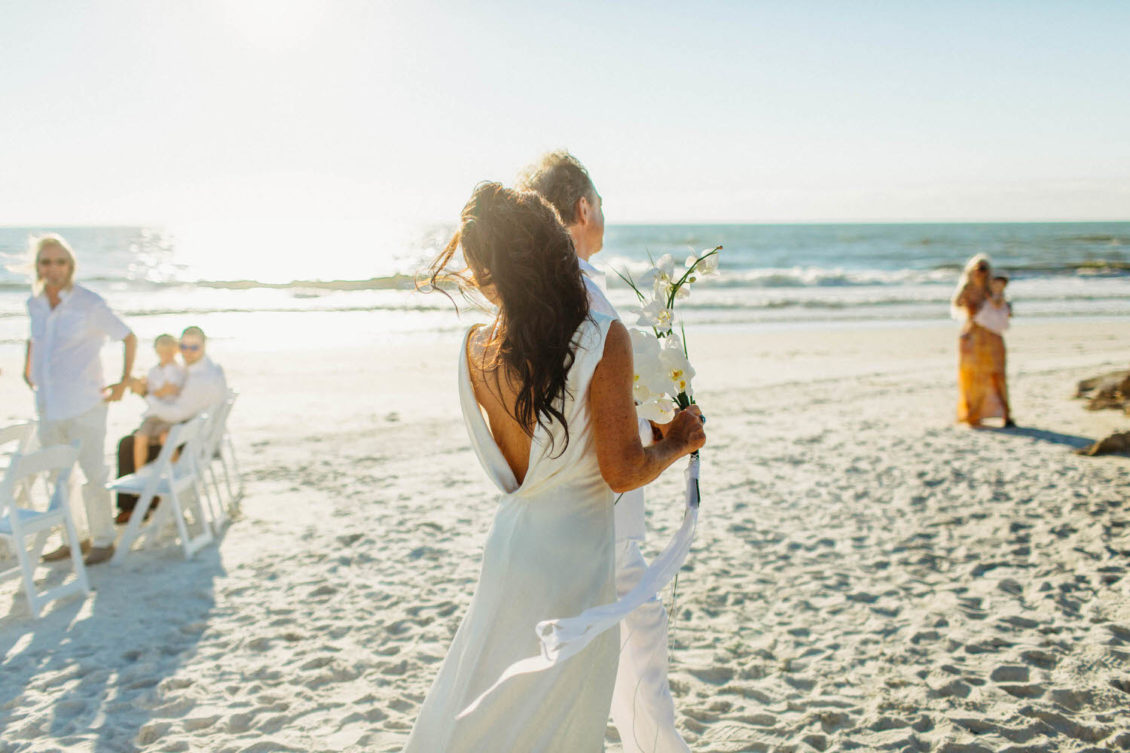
x,y
997,299
163,382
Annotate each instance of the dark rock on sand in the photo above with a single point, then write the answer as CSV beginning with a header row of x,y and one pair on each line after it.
x,y
1106,391
1119,442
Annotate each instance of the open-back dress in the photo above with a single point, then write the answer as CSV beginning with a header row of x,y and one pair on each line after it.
x,y
549,554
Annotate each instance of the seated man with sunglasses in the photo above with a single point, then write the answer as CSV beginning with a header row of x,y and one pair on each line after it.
x,y
204,387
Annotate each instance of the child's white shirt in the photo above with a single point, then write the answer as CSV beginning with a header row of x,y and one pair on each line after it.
x,y
159,376
992,317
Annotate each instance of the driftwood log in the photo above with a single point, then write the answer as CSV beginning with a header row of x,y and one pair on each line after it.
x,y
1119,442
1106,391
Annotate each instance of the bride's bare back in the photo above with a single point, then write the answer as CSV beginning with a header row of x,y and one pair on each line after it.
x,y
625,463
495,393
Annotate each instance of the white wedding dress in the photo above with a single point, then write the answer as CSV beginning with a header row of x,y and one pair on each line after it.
x,y
549,554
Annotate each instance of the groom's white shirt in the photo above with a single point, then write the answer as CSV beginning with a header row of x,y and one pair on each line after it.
x,y
629,511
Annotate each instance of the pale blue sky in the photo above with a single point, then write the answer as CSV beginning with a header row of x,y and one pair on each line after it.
x,y
123,111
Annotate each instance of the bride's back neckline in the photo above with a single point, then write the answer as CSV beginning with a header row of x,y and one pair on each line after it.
x,y
513,443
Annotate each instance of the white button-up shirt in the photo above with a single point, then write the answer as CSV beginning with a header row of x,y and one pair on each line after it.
x,y
66,342
629,511
204,387
594,284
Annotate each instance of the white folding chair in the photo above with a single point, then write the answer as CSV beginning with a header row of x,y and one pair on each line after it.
x,y
211,433
52,467
225,452
171,477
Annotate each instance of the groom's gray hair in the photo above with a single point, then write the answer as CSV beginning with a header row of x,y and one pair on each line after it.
x,y
561,180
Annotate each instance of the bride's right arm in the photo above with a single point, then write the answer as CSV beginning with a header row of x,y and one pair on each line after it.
x,y
624,462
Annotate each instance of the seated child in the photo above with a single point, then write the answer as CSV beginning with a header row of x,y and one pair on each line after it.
x,y
163,382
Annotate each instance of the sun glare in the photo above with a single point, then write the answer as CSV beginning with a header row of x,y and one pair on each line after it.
x,y
274,24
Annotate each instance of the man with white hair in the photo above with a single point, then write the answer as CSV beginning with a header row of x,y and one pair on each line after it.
x,y
69,325
642,708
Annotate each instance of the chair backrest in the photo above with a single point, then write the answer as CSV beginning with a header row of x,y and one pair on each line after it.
x,y
188,435
206,428
18,439
19,433
220,423
230,402
25,469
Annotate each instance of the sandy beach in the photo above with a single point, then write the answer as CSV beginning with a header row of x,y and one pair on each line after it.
x,y
866,574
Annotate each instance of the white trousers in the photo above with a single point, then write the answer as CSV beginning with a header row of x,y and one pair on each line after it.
x,y
642,708
89,430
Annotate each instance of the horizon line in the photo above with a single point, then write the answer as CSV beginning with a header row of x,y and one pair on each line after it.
x,y
623,223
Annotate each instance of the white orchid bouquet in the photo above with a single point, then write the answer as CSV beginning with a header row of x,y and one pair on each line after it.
x,y
663,370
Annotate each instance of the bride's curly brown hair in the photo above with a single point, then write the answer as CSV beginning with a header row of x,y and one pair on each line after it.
x,y
514,242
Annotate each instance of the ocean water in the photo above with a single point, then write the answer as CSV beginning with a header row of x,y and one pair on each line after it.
x,y
262,285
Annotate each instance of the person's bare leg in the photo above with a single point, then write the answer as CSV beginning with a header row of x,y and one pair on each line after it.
x,y
140,450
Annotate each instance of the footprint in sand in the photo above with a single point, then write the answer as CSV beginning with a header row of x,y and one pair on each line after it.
x,y
152,732
1041,659
1012,673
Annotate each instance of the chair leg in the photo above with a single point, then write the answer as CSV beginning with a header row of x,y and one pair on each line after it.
x,y
227,477
178,518
133,528
190,543
27,568
215,487
38,545
162,525
209,526
211,509
76,552
215,502
234,465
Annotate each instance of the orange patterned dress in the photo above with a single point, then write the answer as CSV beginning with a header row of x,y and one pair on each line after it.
x,y
980,357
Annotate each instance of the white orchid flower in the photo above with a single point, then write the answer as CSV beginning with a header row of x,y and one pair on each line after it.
x,y
691,261
677,368
657,315
640,393
644,344
672,342
708,265
650,372
660,410
663,276
650,379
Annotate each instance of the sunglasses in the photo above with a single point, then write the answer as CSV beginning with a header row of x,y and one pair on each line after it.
x,y
193,348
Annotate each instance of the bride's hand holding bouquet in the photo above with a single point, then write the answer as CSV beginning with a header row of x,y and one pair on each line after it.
x,y
685,429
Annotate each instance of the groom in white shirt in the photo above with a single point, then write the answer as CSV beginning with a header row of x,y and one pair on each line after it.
x,y
642,708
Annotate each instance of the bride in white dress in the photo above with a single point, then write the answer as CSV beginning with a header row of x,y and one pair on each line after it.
x,y
546,392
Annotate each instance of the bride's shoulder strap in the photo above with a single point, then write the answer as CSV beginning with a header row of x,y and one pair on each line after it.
x,y
589,340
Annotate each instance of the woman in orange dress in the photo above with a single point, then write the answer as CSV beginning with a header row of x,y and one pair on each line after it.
x,y
980,365
994,316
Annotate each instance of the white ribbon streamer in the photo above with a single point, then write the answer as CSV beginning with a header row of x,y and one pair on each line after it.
x,y
566,637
